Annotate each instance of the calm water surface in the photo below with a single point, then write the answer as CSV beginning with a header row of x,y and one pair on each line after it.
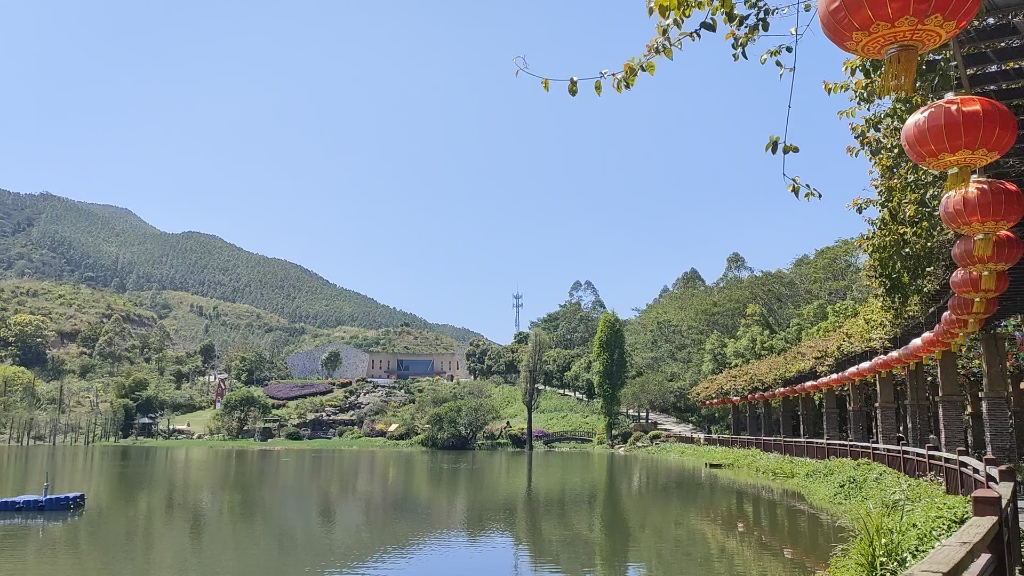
x,y
198,511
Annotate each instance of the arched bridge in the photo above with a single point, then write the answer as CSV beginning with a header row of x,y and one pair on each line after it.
x,y
569,436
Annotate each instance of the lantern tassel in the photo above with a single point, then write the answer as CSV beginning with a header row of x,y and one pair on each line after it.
x,y
979,306
938,354
988,279
958,179
954,345
899,71
972,326
983,247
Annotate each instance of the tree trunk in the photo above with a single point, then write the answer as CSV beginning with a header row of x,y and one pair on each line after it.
x,y
647,417
608,431
529,429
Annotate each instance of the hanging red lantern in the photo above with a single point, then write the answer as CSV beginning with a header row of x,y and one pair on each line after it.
x,y
896,32
735,400
852,374
944,334
968,283
917,347
1006,251
896,359
908,357
769,395
959,326
965,309
882,364
983,208
865,370
759,396
933,344
958,135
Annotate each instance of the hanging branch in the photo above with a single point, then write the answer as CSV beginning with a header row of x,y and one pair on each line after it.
x,y
747,23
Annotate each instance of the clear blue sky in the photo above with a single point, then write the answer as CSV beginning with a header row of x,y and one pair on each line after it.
x,y
388,146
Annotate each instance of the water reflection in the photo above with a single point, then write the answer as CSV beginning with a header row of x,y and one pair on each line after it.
x,y
206,511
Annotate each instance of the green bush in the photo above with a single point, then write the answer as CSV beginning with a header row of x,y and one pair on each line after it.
x,y
655,435
291,433
352,434
600,439
455,425
637,438
401,433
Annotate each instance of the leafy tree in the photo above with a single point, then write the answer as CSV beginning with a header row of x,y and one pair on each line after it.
x,y
557,364
26,338
242,408
531,375
16,383
574,324
124,411
252,366
207,353
476,357
455,425
330,362
580,377
114,344
609,367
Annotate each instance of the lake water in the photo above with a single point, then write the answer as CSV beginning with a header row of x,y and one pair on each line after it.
x,y
206,511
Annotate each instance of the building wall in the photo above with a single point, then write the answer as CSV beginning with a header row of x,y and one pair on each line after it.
x,y
307,364
385,364
356,363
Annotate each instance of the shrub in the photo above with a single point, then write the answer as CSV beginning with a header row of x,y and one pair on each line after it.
x,y
655,435
517,438
296,390
343,383
291,433
636,438
352,434
401,433
455,425
600,439
491,433
540,434
278,404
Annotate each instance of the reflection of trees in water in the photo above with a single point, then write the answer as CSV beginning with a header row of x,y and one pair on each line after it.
x,y
262,512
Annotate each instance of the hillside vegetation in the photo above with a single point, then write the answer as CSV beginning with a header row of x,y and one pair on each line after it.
x,y
43,236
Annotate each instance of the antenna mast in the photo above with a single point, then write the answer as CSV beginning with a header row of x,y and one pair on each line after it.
x,y
517,303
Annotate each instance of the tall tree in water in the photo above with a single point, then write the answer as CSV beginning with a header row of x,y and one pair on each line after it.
x,y
609,367
530,375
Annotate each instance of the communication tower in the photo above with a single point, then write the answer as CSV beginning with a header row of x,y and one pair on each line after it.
x,y
517,303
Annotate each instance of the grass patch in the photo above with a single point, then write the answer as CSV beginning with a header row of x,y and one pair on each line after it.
x,y
553,412
197,420
894,520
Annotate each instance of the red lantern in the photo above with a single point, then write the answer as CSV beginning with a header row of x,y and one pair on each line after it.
x,y
759,396
944,334
958,135
983,208
968,284
957,325
769,395
883,363
852,374
894,31
908,357
965,309
864,368
735,400
1006,251
932,344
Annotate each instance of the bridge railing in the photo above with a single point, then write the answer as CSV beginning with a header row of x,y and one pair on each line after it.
x,y
555,435
989,543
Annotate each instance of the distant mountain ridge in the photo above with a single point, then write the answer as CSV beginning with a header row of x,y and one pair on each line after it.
x,y
44,236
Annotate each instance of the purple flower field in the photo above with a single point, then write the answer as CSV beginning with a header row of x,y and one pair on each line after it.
x,y
296,390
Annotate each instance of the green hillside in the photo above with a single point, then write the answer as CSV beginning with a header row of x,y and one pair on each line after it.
x,y
192,320
43,236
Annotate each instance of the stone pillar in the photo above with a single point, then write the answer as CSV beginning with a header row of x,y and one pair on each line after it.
x,y
786,417
977,420
831,415
951,405
734,419
752,420
855,410
916,435
888,424
995,405
767,422
807,417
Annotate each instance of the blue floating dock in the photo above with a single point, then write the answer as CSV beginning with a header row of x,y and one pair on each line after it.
x,y
33,503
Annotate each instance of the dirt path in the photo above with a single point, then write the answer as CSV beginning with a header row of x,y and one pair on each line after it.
x,y
664,421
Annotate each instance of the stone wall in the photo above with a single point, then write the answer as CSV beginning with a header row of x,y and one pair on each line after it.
x,y
307,364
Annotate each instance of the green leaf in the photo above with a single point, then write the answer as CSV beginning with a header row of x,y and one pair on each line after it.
x,y
597,86
650,68
775,147
574,88
546,84
709,25
668,52
663,10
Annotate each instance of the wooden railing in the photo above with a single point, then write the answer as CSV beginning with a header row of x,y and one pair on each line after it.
x,y
989,543
569,436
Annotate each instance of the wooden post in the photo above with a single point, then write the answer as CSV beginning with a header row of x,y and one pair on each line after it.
x,y
994,402
951,404
734,419
888,426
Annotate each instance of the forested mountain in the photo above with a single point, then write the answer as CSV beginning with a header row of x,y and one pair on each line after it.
x,y
43,236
